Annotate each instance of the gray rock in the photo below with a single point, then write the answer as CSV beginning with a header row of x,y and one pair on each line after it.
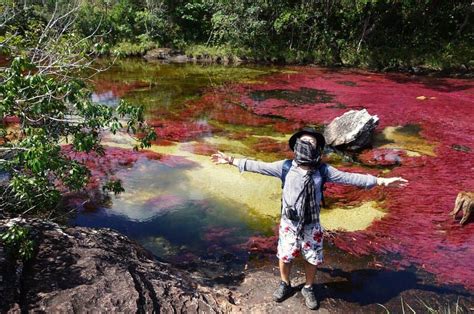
x,y
98,270
351,131
158,53
166,55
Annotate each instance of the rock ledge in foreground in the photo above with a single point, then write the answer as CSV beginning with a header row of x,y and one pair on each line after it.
x,y
83,270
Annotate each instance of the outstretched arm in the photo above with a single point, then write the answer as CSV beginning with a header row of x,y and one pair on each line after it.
x,y
267,168
362,180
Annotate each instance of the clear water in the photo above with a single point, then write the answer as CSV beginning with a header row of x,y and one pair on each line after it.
x,y
176,220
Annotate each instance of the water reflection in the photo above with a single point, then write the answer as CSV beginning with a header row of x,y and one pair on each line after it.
x,y
152,189
175,220
106,98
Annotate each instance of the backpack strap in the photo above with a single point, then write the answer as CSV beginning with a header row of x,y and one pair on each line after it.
x,y
284,171
323,172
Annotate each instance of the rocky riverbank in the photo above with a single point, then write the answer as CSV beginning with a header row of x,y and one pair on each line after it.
x,y
169,55
79,269
176,56
83,269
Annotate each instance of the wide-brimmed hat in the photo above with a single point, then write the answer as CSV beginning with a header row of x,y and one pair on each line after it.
x,y
307,131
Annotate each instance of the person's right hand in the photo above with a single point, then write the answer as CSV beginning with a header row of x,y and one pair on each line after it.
x,y
220,158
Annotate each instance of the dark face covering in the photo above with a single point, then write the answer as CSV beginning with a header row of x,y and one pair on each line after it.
x,y
306,154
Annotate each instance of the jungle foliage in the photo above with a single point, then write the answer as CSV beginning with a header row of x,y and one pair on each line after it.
x,y
373,33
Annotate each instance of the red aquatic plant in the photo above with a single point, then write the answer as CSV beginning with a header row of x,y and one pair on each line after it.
x,y
113,160
217,234
417,227
261,244
116,158
268,145
382,157
179,131
117,89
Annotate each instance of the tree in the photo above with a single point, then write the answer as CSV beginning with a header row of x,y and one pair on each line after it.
x,y
43,87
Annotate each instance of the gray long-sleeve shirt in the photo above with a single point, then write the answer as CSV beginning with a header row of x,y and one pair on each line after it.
x,y
294,179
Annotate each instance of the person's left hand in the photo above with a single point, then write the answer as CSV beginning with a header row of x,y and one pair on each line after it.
x,y
395,182
220,158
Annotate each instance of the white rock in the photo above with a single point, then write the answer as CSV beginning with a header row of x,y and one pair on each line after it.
x,y
353,129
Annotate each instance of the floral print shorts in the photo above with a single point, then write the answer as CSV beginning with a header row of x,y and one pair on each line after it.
x,y
310,245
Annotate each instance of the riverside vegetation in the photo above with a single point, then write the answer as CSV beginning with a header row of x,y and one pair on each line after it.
x,y
436,35
369,33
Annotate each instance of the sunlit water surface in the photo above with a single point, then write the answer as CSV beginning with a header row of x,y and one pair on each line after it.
x,y
190,212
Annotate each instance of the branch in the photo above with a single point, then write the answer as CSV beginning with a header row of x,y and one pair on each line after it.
x,y
71,121
52,22
9,15
7,149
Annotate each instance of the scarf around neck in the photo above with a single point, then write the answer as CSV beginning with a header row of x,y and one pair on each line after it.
x,y
308,210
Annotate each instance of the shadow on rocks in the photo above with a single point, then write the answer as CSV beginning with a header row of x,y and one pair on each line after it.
x,y
372,286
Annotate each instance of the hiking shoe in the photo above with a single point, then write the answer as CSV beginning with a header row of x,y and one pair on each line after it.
x,y
282,292
309,298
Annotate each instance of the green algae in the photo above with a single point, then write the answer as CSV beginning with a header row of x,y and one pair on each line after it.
x,y
279,138
406,138
352,218
257,195
302,96
171,85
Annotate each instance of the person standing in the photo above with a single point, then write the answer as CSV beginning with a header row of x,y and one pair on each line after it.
x,y
300,231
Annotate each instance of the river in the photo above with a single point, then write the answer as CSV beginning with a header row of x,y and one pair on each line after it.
x,y
217,222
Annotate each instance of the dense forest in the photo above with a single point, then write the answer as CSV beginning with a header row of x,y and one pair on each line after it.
x,y
370,33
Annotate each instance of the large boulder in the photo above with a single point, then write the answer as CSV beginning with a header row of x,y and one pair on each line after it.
x,y
352,131
98,270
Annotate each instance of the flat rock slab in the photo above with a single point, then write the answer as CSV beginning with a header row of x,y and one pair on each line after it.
x,y
86,270
348,284
89,270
